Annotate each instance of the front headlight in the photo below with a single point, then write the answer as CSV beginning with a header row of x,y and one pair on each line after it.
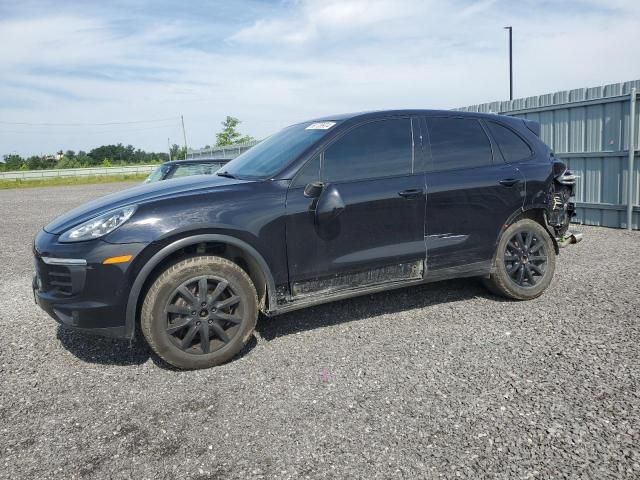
x,y
99,226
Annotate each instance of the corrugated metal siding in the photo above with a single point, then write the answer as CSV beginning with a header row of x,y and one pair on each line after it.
x,y
589,129
221,153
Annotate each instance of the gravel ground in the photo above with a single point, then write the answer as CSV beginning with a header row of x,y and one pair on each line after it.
x,y
442,380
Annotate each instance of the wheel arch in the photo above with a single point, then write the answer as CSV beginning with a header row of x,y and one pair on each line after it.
x,y
533,212
254,264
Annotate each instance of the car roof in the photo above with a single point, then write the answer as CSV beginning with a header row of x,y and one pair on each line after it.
x,y
404,112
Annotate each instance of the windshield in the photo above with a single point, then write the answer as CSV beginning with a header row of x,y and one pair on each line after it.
x,y
274,153
157,174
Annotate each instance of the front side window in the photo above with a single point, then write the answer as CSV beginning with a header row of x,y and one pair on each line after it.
x,y
377,149
513,148
458,143
309,173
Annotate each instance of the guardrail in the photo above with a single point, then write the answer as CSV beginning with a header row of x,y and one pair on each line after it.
x,y
76,172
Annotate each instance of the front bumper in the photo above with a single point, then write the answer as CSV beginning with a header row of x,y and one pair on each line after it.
x,y
87,317
87,296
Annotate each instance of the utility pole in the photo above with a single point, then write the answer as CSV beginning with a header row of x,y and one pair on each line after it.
x,y
169,147
510,62
184,134
632,153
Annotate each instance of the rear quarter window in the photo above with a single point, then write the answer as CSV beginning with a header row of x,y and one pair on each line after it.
x,y
513,148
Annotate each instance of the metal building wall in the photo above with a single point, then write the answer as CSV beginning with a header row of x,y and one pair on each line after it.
x,y
589,129
220,153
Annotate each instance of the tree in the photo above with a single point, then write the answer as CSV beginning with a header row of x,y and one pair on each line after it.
x,y
13,161
229,135
82,159
35,163
103,155
177,152
68,162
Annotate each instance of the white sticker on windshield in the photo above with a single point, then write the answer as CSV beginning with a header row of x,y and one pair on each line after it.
x,y
321,126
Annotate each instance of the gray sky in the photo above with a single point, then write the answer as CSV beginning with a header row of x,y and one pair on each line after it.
x,y
275,63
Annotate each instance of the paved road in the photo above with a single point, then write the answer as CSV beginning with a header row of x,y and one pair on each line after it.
x,y
442,380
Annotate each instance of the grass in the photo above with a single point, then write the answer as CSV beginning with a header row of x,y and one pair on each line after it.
x,y
62,181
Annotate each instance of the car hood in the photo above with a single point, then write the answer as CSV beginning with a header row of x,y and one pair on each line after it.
x,y
140,194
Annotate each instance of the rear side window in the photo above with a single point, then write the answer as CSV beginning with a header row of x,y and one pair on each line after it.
x,y
458,143
378,149
513,148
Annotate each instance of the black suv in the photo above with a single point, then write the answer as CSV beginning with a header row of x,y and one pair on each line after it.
x,y
323,210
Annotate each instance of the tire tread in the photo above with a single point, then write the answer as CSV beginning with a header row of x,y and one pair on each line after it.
x,y
146,312
499,283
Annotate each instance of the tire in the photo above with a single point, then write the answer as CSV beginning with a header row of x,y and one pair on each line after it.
x,y
199,297
523,271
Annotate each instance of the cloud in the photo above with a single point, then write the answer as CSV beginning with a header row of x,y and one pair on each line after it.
x,y
316,18
274,64
327,20
476,8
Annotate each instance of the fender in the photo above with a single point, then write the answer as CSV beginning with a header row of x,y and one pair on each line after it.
x,y
543,208
136,288
524,211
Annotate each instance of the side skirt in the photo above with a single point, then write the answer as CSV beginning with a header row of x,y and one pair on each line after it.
x,y
479,269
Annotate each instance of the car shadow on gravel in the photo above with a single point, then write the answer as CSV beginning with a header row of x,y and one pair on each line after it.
x,y
105,351
367,306
108,351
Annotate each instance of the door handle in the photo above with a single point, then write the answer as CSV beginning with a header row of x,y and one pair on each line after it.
x,y
509,182
412,193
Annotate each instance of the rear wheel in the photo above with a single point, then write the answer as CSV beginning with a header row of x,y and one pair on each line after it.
x,y
524,263
199,312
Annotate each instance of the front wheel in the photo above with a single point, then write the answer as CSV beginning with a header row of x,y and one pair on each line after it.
x,y
199,312
524,262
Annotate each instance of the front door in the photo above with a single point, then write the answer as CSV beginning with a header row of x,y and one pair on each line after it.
x,y
470,194
365,225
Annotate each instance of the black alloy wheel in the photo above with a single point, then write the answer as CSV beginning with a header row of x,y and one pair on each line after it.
x,y
203,314
525,258
524,261
199,312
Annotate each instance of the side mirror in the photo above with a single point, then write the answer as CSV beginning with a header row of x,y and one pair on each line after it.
x,y
313,189
330,205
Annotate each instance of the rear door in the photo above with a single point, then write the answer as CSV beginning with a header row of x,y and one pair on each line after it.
x,y
373,175
519,152
470,193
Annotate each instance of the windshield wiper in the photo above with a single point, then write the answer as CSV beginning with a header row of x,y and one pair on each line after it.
x,y
225,174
